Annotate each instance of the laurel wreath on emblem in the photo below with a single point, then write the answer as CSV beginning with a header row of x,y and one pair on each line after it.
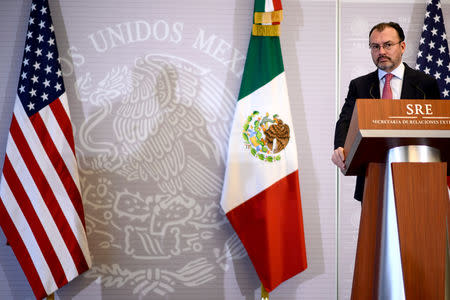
x,y
265,136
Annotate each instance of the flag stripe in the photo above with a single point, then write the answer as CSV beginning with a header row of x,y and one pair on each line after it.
x,y
264,62
269,5
54,155
57,119
19,248
270,227
62,118
260,6
30,246
33,223
41,208
64,200
58,135
277,5
61,216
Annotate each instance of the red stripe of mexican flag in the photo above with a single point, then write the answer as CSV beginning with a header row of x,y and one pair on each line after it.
x,y
261,194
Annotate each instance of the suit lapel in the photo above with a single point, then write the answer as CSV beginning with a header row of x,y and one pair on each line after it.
x,y
410,86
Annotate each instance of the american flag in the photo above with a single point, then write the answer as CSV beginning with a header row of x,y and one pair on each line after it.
x,y
41,210
433,57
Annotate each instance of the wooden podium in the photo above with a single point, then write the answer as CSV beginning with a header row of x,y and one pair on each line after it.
x,y
402,147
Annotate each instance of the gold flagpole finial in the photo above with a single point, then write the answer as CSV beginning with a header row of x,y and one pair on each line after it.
x,y
264,293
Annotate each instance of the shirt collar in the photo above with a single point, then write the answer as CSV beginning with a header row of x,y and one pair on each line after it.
x,y
398,72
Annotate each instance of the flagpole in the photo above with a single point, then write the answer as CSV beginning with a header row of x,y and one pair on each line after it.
x,y
264,293
51,296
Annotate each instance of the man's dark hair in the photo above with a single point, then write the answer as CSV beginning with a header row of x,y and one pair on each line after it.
x,y
381,26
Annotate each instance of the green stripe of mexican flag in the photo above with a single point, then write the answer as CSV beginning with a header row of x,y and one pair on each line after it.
x,y
261,194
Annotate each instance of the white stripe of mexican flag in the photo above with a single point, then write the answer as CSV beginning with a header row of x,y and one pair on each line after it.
x,y
245,175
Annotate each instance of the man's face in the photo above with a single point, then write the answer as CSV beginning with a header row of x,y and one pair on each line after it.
x,y
387,60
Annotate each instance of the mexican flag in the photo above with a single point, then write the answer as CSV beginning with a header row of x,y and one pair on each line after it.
x,y
261,193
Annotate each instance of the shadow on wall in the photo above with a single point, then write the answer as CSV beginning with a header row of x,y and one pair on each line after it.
x,y
294,18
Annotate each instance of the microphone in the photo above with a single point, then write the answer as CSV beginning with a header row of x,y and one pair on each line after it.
x,y
370,90
424,94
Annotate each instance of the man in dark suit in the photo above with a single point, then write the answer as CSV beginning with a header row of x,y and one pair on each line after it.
x,y
393,79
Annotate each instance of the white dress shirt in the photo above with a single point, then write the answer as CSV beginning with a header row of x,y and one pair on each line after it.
x,y
396,81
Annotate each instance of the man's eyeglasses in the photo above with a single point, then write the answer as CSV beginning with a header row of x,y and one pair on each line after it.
x,y
386,46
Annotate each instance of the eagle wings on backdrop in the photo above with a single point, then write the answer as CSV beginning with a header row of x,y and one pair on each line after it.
x,y
156,109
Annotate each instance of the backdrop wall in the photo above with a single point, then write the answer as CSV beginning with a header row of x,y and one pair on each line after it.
x,y
152,171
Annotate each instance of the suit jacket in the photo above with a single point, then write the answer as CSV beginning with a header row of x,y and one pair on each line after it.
x,y
416,85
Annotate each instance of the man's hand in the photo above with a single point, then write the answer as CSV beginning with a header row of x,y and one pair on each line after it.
x,y
338,158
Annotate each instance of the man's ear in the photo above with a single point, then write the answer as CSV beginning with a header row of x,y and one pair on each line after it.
x,y
403,46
